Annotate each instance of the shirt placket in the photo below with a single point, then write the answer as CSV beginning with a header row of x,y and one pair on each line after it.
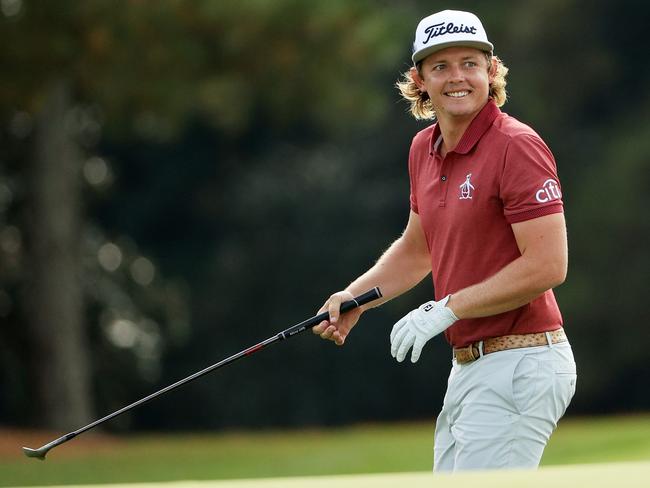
x,y
444,178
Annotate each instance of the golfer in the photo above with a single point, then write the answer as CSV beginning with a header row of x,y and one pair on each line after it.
x,y
486,220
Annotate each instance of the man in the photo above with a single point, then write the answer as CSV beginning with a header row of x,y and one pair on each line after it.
x,y
487,221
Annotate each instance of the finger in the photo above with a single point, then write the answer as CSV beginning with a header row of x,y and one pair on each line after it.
x,y
417,350
318,329
404,347
327,333
339,337
397,342
397,327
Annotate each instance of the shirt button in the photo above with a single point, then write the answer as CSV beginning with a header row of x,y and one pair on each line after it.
x,y
443,178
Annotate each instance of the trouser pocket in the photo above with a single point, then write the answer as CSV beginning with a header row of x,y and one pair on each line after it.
x,y
565,388
525,382
544,382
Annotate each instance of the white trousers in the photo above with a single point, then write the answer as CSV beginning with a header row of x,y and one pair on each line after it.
x,y
500,410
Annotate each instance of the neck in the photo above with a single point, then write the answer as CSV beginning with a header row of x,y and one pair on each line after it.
x,y
452,130
451,135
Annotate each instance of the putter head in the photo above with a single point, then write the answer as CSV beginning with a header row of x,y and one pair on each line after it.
x,y
35,453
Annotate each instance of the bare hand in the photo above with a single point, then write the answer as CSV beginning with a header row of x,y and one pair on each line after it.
x,y
339,325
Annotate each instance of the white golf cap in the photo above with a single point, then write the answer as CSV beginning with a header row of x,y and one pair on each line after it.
x,y
447,29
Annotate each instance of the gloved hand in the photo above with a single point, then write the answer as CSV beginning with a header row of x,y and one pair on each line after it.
x,y
418,326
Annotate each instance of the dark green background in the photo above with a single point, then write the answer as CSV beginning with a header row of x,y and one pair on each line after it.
x,y
258,159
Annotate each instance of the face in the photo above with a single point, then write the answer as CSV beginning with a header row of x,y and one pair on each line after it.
x,y
457,80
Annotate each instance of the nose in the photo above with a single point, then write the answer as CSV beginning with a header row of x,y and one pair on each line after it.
x,y
455,74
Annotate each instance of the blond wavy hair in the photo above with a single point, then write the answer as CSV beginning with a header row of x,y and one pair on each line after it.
x,y
420,104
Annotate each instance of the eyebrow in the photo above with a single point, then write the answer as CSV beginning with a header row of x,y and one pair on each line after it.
x,y
464,58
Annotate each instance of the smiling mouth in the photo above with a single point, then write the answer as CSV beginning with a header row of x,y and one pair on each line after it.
x,y
457,94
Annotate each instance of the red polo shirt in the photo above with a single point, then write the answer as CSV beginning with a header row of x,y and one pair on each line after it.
x,y
500,173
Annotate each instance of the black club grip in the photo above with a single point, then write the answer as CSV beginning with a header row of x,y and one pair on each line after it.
x,y
362,299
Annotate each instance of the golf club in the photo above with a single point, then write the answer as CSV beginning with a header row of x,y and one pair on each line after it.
x,y
362,299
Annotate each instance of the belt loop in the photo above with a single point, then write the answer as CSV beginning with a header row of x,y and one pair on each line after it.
x,y
480,349
548,339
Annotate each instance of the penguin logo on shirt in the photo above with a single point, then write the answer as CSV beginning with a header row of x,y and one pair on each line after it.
x,y
466,189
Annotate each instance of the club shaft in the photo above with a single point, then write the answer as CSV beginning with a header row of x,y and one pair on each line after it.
x,y
182,382
367,297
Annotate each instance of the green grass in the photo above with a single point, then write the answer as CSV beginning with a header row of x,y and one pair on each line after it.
x,y
361,449
604,439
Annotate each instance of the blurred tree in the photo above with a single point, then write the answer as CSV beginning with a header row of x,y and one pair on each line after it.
x,y
53,289
97,69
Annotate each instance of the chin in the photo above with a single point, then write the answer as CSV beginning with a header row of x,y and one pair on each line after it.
x,y
464,112
461,110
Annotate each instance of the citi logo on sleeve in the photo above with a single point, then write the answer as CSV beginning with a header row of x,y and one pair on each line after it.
x,y
550,190
466,189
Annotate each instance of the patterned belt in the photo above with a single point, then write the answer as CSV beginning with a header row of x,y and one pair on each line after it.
x,y
471,353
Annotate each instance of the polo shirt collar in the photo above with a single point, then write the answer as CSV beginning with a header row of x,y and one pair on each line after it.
x,y
477,127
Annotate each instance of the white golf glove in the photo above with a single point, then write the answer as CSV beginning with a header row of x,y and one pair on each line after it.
x,y
418,326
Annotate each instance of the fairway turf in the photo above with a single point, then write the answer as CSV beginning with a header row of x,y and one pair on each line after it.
x,y
360,449
591,475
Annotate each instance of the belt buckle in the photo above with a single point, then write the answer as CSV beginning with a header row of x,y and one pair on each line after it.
x,y
468,354
472,347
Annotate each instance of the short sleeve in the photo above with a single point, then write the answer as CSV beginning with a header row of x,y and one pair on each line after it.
x,y
529,185
412,179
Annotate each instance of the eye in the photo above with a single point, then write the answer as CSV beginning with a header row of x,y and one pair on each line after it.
x,y
438,67
470,64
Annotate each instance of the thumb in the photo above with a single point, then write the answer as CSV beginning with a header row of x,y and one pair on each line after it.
x,y
334,309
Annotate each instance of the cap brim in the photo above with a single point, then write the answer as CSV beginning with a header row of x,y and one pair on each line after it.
x,y
423,53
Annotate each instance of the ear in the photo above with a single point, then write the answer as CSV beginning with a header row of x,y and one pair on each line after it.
x,y
418,80
492,72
